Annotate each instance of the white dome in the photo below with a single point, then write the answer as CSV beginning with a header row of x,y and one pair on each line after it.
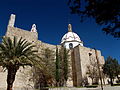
x,y
70,36
71,39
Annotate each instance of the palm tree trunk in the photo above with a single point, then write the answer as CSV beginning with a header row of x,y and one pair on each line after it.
x,y
9,87
11,77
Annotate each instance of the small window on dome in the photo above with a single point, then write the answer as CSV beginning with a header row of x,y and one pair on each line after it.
x,y
70,45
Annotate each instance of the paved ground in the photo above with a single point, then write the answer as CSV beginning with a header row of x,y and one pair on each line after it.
x,y
105,88
112,88
72,88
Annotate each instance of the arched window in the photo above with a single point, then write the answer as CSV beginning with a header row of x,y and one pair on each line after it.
x,y
70,45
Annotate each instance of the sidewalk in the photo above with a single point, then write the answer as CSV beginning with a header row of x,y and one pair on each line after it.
x,y
73,88
98,88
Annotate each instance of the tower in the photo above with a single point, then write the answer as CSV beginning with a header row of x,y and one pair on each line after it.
x,y
70,41
14,31
11,20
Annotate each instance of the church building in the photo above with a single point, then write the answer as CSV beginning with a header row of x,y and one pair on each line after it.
x,y
81,56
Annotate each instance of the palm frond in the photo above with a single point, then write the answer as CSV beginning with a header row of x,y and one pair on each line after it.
x,y
18,53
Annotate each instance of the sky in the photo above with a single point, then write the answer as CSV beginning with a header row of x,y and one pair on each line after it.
x,y
52,18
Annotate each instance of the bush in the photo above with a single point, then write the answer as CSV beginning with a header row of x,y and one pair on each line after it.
x,y
118,81
118,84
91,86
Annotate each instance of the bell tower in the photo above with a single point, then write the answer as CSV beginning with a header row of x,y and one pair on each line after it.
x,y
33,29
11,20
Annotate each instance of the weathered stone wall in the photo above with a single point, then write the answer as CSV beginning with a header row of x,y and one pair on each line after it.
x,y
84,55
76,67
29,36
23,75
3,82
22,79
41,45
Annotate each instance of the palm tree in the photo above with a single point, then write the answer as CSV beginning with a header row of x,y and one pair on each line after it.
x,y
15,53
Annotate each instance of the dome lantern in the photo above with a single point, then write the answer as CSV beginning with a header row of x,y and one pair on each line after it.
x,y
69,28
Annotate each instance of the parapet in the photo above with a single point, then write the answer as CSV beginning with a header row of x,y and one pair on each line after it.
x,y
13,31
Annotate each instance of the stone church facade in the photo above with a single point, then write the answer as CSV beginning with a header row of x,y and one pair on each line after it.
x,y
80,55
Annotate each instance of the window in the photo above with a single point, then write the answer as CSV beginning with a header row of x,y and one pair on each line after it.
x,y
70,45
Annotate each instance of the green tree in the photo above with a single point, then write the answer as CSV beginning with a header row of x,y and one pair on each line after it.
x,y
64,65
92,71
104,12
44,75
15,53
117,70
57,63
110,67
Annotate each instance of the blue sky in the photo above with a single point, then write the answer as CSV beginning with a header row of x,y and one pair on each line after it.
x,y
52,18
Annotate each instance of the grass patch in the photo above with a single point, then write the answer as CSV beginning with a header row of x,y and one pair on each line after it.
x,y
43,88
91,86
57,87
80,87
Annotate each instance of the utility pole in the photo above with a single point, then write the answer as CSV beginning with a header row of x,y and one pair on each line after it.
x,y
99,68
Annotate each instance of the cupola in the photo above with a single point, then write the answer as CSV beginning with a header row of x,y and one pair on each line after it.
x,y
71,39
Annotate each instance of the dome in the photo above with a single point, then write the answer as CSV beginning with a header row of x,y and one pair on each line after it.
x,y
71,39
70,36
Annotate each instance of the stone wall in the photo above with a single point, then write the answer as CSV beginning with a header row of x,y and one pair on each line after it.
x,y
86,54
40,45
82,57
76,67
29,36
23,75
3,82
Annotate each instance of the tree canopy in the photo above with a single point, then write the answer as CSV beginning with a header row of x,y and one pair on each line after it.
x,y
15,53
44,75
105,12
57,64
92,71
62,66
111,68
